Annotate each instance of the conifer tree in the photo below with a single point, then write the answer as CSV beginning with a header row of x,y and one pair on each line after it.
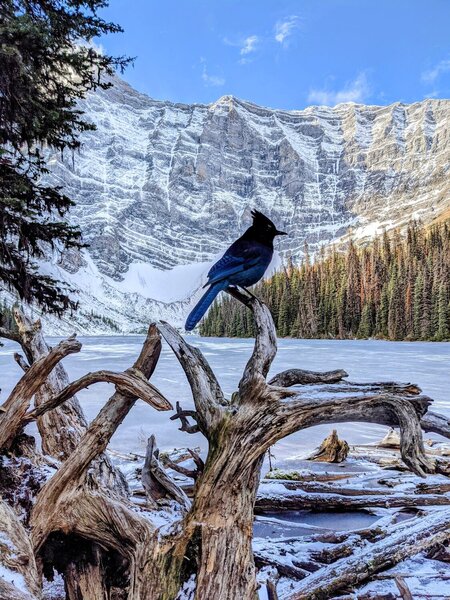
x,y
47,63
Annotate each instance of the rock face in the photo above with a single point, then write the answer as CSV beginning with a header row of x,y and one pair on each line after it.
x,y
166,184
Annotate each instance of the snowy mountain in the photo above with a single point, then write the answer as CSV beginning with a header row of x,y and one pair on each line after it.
x,y
160,187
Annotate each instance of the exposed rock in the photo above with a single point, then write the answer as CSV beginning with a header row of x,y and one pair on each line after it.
x,y
167,185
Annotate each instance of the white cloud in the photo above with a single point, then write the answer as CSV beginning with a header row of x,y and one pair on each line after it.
x,y
249,44
284,29
357,90
211,80
431,75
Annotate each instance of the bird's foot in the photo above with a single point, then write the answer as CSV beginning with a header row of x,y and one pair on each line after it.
x,y
249,292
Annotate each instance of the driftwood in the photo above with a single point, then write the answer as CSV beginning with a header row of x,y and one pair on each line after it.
x,y
15,407
157,482
303,377
332,450
84,505
62,428
73,488
49,514
192,473
319,501
16,555
390,440
404,540
433,422
405,592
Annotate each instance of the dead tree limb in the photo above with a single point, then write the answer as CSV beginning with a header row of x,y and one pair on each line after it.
x,y
309,407
16,555
213,541
62,428
403,588
208,396
129,382
240,433
58,492
15,407
436,423
20,360
183,415
157,483
9,334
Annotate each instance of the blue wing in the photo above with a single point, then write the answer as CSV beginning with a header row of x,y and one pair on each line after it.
x,y
239,257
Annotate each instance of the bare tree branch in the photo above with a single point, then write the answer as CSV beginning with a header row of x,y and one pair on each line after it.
x,y
183,416
263,354
9,334
192,473
61,428
157,483
15,407
279,418
206,391
130,382
92,444
20,360
436,423
197,460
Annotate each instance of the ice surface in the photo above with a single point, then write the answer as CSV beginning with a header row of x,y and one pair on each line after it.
x,y
424,363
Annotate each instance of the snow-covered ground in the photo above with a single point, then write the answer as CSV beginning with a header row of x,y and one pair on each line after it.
x,y
423,363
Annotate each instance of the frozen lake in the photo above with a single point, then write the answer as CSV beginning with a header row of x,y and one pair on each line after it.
x,y
424,363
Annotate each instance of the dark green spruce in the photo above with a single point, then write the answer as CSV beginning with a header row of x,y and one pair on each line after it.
x,y
47,64
396,288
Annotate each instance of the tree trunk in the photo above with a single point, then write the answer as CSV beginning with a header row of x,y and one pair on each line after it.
x,y
221,522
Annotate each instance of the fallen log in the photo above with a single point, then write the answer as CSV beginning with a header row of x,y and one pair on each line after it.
x,y
406,539
284,499
303,377
433,422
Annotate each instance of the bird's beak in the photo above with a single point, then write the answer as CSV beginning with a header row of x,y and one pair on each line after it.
x,y
280,232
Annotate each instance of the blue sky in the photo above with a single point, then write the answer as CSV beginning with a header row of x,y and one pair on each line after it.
x,y
285,53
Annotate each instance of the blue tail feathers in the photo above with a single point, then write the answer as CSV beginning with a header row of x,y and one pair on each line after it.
x,y
203,304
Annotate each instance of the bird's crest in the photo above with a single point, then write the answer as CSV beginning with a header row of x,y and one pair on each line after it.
x,y
259,218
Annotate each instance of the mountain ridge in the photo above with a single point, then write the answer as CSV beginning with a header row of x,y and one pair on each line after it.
x,y
170,185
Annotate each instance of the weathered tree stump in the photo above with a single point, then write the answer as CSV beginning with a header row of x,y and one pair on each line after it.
x,y
332,450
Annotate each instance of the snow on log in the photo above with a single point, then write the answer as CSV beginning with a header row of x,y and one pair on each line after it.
x,y
406,539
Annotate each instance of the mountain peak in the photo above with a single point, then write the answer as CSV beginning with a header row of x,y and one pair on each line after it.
x,y
165,184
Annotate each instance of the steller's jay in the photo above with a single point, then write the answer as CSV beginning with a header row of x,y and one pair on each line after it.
x,y
243,264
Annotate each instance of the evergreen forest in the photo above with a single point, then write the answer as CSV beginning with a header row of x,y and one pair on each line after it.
x,y
395,288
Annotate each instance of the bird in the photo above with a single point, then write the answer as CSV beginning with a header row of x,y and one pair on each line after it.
x,y
243,264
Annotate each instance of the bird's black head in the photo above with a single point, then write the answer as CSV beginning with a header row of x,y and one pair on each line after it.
x,y
262,229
